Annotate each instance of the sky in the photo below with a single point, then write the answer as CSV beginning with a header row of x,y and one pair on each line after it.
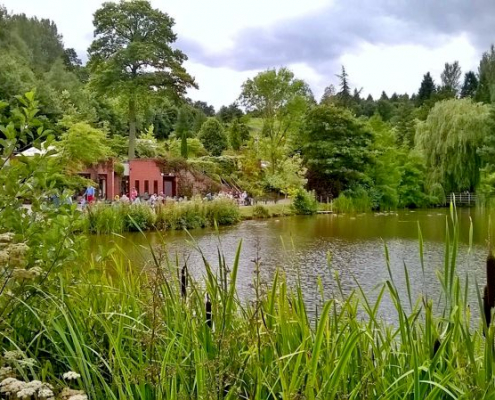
x,y
383,44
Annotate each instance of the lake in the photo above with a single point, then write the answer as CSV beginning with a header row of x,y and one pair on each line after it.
x,y
301,247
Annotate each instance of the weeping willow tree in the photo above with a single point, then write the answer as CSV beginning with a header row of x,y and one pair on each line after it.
x,y
449,139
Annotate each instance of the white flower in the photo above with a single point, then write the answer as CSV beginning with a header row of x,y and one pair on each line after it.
x,y
5,372
45,392
78,397
71,375
26,393
11,385
12,355
28,362
6,237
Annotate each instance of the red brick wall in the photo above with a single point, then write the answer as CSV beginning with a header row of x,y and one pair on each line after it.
x,y
141,171
106,169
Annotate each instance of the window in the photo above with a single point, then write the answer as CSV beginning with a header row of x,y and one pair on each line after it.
x,y
155,187
136,185
146,186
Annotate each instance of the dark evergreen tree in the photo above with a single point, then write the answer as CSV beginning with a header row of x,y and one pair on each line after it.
x,y
470,85
344,95
426,90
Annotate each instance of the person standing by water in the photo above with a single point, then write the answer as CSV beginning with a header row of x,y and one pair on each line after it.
x,y
90,194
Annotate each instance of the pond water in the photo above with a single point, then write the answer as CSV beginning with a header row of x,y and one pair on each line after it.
x,y
301,246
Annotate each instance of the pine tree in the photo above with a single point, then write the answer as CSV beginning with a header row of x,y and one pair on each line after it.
x,y
344,96
426,90
183,145
470,85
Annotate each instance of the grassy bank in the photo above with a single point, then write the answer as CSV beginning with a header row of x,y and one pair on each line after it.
x,y
151,332
262,211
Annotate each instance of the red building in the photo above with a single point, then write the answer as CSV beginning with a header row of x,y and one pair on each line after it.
x,y
143,174
147,177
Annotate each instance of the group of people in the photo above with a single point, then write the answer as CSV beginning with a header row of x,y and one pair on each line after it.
x,y
133,197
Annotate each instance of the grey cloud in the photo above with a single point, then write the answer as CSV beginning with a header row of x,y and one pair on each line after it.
x,y
320,38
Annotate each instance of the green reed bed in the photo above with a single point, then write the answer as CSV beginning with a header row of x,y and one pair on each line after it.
x,y
155,333
118,218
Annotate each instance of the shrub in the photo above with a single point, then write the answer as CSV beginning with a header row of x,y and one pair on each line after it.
x,y
223,212
138,217
260,212
304,203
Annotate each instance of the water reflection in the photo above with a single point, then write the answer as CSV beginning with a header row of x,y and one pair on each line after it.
x,y
300,247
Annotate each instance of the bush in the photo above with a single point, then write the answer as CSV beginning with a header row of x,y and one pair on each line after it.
x,y
260,212
223,212
138,217
304,203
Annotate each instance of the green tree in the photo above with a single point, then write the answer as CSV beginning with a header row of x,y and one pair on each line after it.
x,y
281,100
184,151
235,135
486,73
449,139
426,90
213,137
230,113
451,79
337,149
344,96
132,56
470,85
405,124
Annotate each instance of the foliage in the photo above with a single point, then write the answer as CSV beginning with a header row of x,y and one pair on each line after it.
x,y
235,138
230,113
132,55
260,212
281,100
304,202
291,175
449,140
451,79
36,241
147,146
470,85
213,137
336,149
194,148
83,145
426,90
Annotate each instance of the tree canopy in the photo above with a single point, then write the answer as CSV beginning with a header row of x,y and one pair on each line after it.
x,y
132,56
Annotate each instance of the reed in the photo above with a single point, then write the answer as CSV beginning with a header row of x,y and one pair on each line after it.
x,y
153,332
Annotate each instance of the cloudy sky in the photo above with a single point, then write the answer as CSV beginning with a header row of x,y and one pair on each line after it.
x,y
384,44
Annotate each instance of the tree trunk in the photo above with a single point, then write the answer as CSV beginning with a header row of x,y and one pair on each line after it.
x,y
132,126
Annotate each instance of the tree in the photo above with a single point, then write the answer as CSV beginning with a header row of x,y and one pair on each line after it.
x,y
449,139
451,78
132,56
336,150
470,85
281,100
207,109
235,135
344,95
213,137
426,90
230,113
405,124
486,73
328,95
182,129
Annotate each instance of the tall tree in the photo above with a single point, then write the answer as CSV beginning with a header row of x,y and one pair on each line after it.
x,y
449,139
182,128
337,149
281,100
470,85
426,90
451,78
486,73
133,57
344,95
213,136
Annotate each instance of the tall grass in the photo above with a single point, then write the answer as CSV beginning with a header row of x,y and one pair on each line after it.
x,y
155,333
194,214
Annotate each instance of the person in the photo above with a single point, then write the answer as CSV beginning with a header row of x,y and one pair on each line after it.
x,y
161,198
116,198
90,194
153,199
124,198
134,194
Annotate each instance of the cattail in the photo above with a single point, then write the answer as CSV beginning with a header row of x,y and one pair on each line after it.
x,y
183,281
436,346
490,279
209,321
487,309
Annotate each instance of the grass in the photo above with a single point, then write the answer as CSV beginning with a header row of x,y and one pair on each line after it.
x,y
261,211
120,218
152,332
